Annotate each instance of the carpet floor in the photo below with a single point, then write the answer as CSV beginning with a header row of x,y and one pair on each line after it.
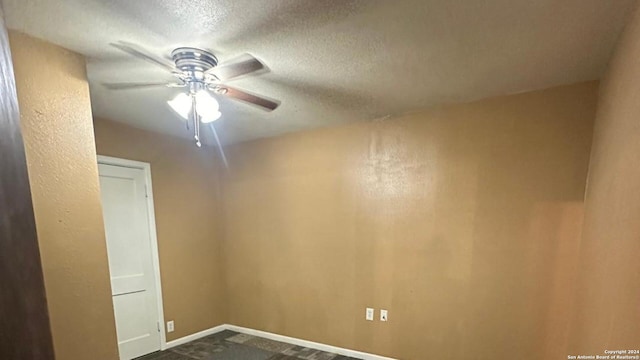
x,y
230,345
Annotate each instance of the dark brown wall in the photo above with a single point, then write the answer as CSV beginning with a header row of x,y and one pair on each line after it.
x,y
24,322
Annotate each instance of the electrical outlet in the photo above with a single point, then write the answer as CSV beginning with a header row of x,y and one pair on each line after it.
x,y
170,326
369,314
384,315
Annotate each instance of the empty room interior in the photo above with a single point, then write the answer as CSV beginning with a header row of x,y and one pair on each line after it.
x,y
319,180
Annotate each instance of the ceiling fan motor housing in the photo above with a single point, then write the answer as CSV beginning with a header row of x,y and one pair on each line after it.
x,y
194,61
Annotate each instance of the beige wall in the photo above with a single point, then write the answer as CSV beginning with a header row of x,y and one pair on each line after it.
x,y
462,221
61,152
608,310
186,199
56,124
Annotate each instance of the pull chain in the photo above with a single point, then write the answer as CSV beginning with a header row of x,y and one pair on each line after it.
x,y
196,121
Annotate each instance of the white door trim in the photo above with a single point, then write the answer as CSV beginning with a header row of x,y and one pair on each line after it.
x,y
146,168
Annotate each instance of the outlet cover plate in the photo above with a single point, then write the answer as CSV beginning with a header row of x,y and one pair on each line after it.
x,y
369,314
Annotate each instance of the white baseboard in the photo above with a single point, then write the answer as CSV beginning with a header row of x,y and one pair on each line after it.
x,y
276,337
196,336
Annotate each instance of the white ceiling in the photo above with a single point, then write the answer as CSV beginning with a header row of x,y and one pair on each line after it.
x,y
331,61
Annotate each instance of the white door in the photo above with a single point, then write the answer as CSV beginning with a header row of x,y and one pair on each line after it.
x,y
129,247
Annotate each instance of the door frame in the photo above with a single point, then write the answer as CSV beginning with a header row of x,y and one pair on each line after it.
x,y
155,258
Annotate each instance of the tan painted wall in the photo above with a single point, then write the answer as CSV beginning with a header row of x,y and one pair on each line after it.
x,y
58,133
462,221
608,309
186,199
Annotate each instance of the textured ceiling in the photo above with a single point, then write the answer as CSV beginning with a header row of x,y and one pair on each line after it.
x,y
331,61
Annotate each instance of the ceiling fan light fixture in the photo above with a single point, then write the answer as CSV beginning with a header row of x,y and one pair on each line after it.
x,y
207,107
210,117
181,104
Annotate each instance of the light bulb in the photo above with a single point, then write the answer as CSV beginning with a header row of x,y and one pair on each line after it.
x,y
207,107
210,117
181,104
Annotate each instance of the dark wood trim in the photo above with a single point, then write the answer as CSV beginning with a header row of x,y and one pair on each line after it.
x,y
25,333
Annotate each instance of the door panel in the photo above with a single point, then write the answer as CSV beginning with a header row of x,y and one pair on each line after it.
x,y
131,311
124,206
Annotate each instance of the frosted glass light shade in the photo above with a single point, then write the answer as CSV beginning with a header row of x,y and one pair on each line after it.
x,y
210,117
181,104
207,107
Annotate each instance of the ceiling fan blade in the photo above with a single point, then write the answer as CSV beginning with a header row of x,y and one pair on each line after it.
x,y
245,64
130,86
266,104
134,50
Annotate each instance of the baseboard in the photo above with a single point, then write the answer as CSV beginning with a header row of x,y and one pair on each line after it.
x,y
306,343
196,336
276,337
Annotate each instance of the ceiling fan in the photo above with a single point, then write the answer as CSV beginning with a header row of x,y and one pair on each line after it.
x,y
197,71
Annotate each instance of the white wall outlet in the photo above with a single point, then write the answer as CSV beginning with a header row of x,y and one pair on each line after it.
x,y
369,314
384,315
170,326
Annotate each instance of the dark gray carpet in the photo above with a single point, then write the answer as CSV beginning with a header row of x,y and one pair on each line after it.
x,y
230,345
